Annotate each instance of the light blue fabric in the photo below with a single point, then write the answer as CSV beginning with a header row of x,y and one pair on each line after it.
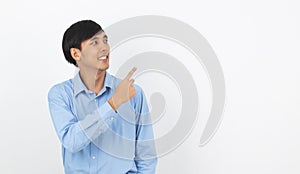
x,y
96,139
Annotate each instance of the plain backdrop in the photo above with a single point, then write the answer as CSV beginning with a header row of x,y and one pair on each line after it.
x,y
257,43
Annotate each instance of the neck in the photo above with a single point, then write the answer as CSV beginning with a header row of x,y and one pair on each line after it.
x,y
93,80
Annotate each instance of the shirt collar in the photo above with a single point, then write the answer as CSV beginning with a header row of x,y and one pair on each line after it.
x,y
79,85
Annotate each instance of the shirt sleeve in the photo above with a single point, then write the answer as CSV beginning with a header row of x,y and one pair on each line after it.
x,y
73,134
145,153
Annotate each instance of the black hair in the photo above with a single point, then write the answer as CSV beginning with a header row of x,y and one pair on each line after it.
x,y
76,34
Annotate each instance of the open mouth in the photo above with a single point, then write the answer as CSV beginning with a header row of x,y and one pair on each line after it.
x,y
104,57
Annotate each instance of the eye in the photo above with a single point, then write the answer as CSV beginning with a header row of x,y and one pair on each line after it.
x,y
94,42
105,40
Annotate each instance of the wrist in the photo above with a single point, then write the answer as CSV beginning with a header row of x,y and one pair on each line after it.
x,y
113,104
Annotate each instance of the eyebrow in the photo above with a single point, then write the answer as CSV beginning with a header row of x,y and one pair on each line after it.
x,y
96,37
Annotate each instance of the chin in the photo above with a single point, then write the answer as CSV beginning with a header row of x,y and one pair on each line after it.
x,y
104,68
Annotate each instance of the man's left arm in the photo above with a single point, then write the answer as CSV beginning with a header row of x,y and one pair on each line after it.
x,y
145,153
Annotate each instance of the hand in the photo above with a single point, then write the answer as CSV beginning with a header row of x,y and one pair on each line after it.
x,y
124,91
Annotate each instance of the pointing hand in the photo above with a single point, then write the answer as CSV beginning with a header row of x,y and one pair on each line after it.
x,y
124,91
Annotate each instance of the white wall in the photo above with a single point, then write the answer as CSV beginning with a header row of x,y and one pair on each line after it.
x,y
257,43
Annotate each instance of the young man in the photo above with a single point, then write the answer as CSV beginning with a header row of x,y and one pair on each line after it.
x,y
102,122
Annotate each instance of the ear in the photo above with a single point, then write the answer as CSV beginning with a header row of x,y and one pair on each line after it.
x,y
75,53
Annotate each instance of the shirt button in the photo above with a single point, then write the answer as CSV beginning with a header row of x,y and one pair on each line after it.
x,y
111,118
93,157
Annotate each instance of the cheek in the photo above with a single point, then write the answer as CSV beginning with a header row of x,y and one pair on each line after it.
x,y
90,53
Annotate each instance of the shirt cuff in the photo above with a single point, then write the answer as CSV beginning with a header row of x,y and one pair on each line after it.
x,y
99,121
107,113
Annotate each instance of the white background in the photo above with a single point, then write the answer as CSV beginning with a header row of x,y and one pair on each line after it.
x,y
257,43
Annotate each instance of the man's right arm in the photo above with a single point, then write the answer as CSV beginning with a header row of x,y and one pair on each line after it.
x,y
73,134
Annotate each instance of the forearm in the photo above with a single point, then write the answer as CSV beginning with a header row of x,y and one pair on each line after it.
x,y
76,136
73,134
146,157
146,166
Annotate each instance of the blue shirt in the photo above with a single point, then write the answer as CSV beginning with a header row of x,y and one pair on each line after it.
x,y
96,139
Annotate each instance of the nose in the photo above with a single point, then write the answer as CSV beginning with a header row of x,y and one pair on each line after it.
x,y
104,49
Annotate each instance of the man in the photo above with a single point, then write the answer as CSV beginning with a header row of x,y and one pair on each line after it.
x,y
102,122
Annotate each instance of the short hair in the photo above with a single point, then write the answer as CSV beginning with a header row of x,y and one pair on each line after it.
x,y
76,34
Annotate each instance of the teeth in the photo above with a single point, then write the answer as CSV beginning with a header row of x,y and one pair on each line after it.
x,y
102,58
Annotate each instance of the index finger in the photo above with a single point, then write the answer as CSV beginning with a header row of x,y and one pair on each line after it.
x,y
130,73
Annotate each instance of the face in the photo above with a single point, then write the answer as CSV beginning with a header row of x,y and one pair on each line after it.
x,y
94,54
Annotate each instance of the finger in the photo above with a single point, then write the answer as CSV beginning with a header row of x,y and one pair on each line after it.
x,y
132,92
130,73
131,81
